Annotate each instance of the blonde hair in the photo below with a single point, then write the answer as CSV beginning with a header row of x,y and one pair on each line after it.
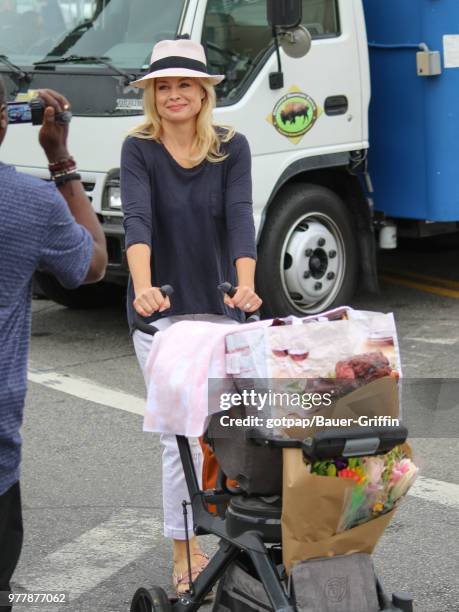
x,y
206,142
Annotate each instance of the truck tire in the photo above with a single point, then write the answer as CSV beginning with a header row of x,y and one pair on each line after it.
x,y
95,295
308,253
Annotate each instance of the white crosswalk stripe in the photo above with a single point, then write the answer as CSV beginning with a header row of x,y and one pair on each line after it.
x,y
87,390
436,491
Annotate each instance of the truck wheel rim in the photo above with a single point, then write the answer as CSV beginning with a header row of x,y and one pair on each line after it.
x,y
313,263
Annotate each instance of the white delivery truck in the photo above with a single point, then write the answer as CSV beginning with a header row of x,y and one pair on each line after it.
x,y
305,117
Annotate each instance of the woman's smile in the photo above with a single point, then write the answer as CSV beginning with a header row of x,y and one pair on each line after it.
x,y
176,107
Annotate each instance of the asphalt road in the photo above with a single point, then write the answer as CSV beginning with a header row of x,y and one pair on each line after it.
x,y
91,479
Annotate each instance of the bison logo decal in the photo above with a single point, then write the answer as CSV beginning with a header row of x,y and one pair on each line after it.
x,y
294,114
292,110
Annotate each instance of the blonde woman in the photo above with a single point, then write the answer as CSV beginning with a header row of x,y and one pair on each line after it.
x,y
186,190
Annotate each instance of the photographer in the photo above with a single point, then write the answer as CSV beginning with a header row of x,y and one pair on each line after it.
x,y
40,229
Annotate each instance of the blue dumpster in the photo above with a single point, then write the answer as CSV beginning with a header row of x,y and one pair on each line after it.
x,y
414,120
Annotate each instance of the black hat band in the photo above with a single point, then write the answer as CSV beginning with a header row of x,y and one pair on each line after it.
x,y
176,61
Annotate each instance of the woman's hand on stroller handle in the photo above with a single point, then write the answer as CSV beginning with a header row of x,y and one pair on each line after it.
x,y
153,299
165,291
242,297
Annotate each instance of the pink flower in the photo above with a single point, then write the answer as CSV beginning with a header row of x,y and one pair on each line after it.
x,y
404,478
374,467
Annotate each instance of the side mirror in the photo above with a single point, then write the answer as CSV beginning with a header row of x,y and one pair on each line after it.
x,y
285,16
295,43
284,13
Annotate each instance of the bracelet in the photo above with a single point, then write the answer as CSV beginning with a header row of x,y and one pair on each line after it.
x,y
71,170
65,178
61,164
62,160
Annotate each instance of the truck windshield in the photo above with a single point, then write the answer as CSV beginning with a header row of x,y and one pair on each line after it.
x,y
122,31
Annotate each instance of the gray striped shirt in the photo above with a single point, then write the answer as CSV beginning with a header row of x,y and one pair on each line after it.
x,y
37,231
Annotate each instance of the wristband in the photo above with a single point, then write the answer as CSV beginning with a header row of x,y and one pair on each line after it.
x,y
65,178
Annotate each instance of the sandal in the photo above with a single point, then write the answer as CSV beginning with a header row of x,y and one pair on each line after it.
x,y
204,556
181,581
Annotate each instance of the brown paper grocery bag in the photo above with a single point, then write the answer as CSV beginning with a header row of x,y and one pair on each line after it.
x,y
362,538
311,509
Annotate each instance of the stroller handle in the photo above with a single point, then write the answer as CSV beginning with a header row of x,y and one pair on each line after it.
x,y
339,441
168,290
354,442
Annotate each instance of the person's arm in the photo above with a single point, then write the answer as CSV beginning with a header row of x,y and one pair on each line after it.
x,y
84,214
148,299
136,204
139,257
245,269
241,228
53,139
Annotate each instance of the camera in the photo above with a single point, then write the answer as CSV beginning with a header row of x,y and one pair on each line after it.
x,y
32,112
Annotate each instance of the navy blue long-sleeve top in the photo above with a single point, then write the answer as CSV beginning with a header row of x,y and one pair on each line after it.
x,y
197,222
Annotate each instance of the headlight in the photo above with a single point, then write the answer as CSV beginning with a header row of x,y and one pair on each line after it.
x,y
114,197
112,193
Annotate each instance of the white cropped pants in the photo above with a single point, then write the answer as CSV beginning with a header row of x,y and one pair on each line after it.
x,y
173,478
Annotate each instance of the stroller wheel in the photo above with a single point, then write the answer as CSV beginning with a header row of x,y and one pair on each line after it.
x,y
153,600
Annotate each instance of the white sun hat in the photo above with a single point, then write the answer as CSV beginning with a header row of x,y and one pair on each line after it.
x,y
178,58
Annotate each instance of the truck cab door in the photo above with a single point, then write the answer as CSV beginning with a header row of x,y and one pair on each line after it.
x,y
239,44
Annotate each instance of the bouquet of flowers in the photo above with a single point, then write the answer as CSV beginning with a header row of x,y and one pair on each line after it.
x,y
380,481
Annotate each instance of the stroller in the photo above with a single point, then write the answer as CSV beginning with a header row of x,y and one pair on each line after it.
x,y
248,518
